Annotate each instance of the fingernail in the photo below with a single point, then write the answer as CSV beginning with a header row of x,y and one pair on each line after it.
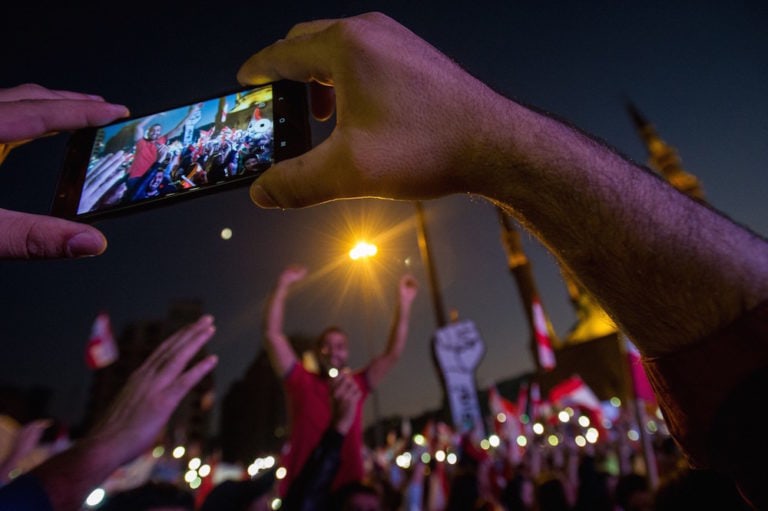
x,y
122,110
85,244
261,198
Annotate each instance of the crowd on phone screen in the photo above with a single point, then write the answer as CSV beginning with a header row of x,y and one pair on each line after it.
x,y
212,158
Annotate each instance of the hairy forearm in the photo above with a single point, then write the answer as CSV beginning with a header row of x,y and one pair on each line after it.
x,y
664,266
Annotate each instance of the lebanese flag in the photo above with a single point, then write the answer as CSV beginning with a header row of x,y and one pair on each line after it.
x,y
101,349
509,424
499,404
574,392
642,386
543,341
506,419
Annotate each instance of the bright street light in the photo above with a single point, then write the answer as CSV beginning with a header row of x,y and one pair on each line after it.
x,y
362,250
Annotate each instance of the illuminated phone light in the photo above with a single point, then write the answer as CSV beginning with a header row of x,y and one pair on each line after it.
x,y
96,497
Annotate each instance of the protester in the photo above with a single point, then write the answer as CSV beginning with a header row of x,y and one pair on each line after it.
x,y
30,111
685,282
311,490
131,425
308,393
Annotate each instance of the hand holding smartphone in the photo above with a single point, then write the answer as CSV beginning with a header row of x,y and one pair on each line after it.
x,y
187,151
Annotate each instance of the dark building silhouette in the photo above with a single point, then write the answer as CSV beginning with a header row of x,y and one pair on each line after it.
x,y
253,419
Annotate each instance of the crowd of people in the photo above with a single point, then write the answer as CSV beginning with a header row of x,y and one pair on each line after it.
x,y
687,284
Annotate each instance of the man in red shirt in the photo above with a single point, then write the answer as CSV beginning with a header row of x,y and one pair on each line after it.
x,y
151,143
308,393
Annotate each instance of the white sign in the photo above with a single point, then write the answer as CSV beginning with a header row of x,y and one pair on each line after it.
x,y
459,349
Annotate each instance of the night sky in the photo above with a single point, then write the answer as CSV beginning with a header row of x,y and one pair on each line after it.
x,y
700,74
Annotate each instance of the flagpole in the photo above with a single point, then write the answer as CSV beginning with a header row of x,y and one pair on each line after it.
x,y
437,299
649,455
426,257
520,267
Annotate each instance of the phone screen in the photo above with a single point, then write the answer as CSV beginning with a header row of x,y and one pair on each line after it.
x,y
210,144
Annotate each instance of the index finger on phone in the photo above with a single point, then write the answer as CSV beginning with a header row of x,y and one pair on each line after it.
x,y
35,91
35,118
301,58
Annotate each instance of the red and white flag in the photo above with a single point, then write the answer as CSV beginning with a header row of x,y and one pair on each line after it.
x,y
642,386
102,348
575,392
505,413
543,341
506,420
499,404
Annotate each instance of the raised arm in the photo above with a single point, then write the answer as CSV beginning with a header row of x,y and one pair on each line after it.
x,y
193,111
281,353
398,335
141,127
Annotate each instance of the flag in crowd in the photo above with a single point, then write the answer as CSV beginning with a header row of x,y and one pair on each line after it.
x,y
640,383
543,340
506,419
575,392
101,349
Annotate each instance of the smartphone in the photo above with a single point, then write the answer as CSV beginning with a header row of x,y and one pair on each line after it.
x,y
187,151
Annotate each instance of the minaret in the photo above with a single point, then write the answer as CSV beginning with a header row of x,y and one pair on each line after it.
x,y
663,158
592,321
